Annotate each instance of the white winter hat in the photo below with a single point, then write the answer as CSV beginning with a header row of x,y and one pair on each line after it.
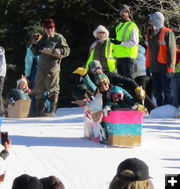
x,y
21,80
100,28
2,166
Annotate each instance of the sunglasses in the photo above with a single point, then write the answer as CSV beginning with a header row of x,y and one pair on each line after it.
x,y
123,11
94,69
101,32
49,28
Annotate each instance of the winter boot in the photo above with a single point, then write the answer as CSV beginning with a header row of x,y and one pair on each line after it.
x,y
40,107
53,102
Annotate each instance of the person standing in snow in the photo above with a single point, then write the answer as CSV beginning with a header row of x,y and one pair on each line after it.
x,y
51,48
31,63
140,76
126,43
161,58
102,50
2,77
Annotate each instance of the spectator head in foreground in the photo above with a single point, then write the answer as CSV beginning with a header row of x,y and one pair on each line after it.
x,y
132,173
52,182
26,182
2,169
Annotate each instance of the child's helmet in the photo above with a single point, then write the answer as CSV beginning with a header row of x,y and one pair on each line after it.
x,y
117,90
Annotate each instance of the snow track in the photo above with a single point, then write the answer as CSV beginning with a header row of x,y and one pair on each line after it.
x,y
55,146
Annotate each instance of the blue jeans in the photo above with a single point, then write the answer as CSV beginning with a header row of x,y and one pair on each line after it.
x,y
176,89
162,86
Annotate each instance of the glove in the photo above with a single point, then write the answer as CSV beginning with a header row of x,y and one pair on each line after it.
x,y
141,108
140,92
81,71
115,41
106,110
169,70
11,101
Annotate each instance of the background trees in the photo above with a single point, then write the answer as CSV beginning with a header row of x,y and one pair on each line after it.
x,y
76,20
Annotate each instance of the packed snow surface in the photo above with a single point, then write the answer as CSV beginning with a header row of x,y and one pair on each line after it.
x,y
56,146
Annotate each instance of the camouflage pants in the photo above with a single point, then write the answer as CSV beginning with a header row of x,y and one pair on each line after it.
x,y
46,82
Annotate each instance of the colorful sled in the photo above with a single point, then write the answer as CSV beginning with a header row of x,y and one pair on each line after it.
x,y
123,128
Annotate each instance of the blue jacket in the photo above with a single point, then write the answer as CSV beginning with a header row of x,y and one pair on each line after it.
x,y
140,69
31,63
18,94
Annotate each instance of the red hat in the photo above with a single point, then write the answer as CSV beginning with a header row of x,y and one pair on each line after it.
x,y
48,23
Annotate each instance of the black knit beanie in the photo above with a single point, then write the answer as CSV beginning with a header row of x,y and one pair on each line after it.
x,y
26,182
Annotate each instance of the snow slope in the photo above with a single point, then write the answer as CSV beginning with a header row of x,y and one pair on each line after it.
x,y
55,146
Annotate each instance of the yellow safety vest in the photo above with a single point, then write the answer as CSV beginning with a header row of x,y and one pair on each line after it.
x,y
177,68
108,54
123,34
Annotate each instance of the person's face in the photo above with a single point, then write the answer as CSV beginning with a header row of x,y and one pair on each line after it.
x,y
97,70
103,87
101,35
150,28
23,85
115,97
49,31
124,15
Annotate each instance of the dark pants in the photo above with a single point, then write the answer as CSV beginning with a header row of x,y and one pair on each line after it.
x,y
162,86
125,67
32,110
1,99
176,89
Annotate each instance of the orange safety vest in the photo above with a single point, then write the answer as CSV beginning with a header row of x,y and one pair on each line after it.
x,y
162,54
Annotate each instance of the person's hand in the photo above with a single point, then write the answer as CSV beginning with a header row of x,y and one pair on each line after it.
x,y
141,108
106,110
81,71
170,70
56,51
140,92
115,41
7,145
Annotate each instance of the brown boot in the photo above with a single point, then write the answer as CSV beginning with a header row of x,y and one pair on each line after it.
x,y
40,107
53,103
